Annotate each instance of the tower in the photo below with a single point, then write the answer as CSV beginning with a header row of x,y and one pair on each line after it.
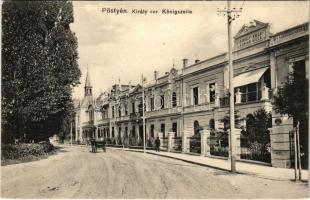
x,y
88,87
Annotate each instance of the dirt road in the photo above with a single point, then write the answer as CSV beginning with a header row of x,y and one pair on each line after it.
x,y
77,173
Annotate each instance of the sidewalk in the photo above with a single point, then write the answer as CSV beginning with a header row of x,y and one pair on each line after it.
x,y
217,163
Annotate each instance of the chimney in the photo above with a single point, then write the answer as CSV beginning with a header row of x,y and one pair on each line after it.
x,y
155,75
197,61
185,62
129,85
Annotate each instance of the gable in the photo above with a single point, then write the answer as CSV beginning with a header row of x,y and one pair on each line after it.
x,y
254,33
251,27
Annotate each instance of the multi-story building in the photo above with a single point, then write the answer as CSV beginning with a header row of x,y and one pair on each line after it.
x,y
194,98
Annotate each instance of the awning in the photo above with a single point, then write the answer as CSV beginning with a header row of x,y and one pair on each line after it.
x,y
249,77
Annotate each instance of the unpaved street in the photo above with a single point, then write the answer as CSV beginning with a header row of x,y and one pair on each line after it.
x,y
76,173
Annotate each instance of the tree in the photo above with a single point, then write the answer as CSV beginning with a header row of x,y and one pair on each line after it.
x,y
292,99
39,68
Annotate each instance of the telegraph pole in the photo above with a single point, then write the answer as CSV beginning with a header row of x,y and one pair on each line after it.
x,y
71,133
143,114
232,147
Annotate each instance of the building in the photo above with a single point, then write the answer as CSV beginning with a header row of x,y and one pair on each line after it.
x,y
194,99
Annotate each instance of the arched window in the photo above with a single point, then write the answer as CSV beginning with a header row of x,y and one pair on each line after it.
x,y
197,128
174,99
211,124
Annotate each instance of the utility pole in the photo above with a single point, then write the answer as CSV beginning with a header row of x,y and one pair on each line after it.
x,y
230,18
71,133
143,113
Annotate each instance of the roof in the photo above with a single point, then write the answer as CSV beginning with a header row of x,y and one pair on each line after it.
x,y
87,82
249,77
248,28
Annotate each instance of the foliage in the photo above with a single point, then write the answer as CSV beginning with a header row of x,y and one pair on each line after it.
x,y
25,151
292,97
150,142
226,120
256,138
39,68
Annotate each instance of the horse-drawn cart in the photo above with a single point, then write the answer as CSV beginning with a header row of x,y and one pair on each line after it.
x,y
98,144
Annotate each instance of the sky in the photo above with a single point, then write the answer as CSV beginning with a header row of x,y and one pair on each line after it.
x,y
123,47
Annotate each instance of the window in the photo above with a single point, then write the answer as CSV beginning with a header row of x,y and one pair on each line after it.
x,y
99,133
140,109
195,96
133,107
212,92
174,99
162,129
162,102
119,131
126,131
133,131
112,111
112,132
152,103
175,129
152,130
126,109
212,124
248,92
119,111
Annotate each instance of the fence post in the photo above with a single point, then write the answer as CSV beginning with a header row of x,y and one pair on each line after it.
x,y
185,143
205,147
160,135
170,140
238,142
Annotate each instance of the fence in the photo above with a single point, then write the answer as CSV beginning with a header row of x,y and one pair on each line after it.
x,y
164,143
251,149
177,146
218,143
194,144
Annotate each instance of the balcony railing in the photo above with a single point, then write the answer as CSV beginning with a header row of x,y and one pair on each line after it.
x,y
136,115
246,97
104,121
122,118
163,111
90,122
199,107
290,34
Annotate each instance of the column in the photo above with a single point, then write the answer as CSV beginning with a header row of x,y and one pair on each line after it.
x,y
185,141
160,135
205,145
170,141
280,141
237,142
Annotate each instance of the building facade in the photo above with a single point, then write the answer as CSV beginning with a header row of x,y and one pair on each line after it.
x,y
189,101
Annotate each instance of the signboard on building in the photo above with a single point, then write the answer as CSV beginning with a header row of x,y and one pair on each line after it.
x,y
251,34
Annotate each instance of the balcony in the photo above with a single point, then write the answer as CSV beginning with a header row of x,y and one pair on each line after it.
x,y
104,121
199,107
122,118
90,122
248,97
136,116
165,111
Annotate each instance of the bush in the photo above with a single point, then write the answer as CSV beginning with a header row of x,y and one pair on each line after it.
x,y
25,151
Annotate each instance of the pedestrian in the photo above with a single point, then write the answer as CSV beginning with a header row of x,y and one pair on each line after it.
x,y
93,146
104,145
157,143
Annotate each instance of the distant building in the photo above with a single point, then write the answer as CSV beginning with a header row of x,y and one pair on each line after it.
x,y
195,98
